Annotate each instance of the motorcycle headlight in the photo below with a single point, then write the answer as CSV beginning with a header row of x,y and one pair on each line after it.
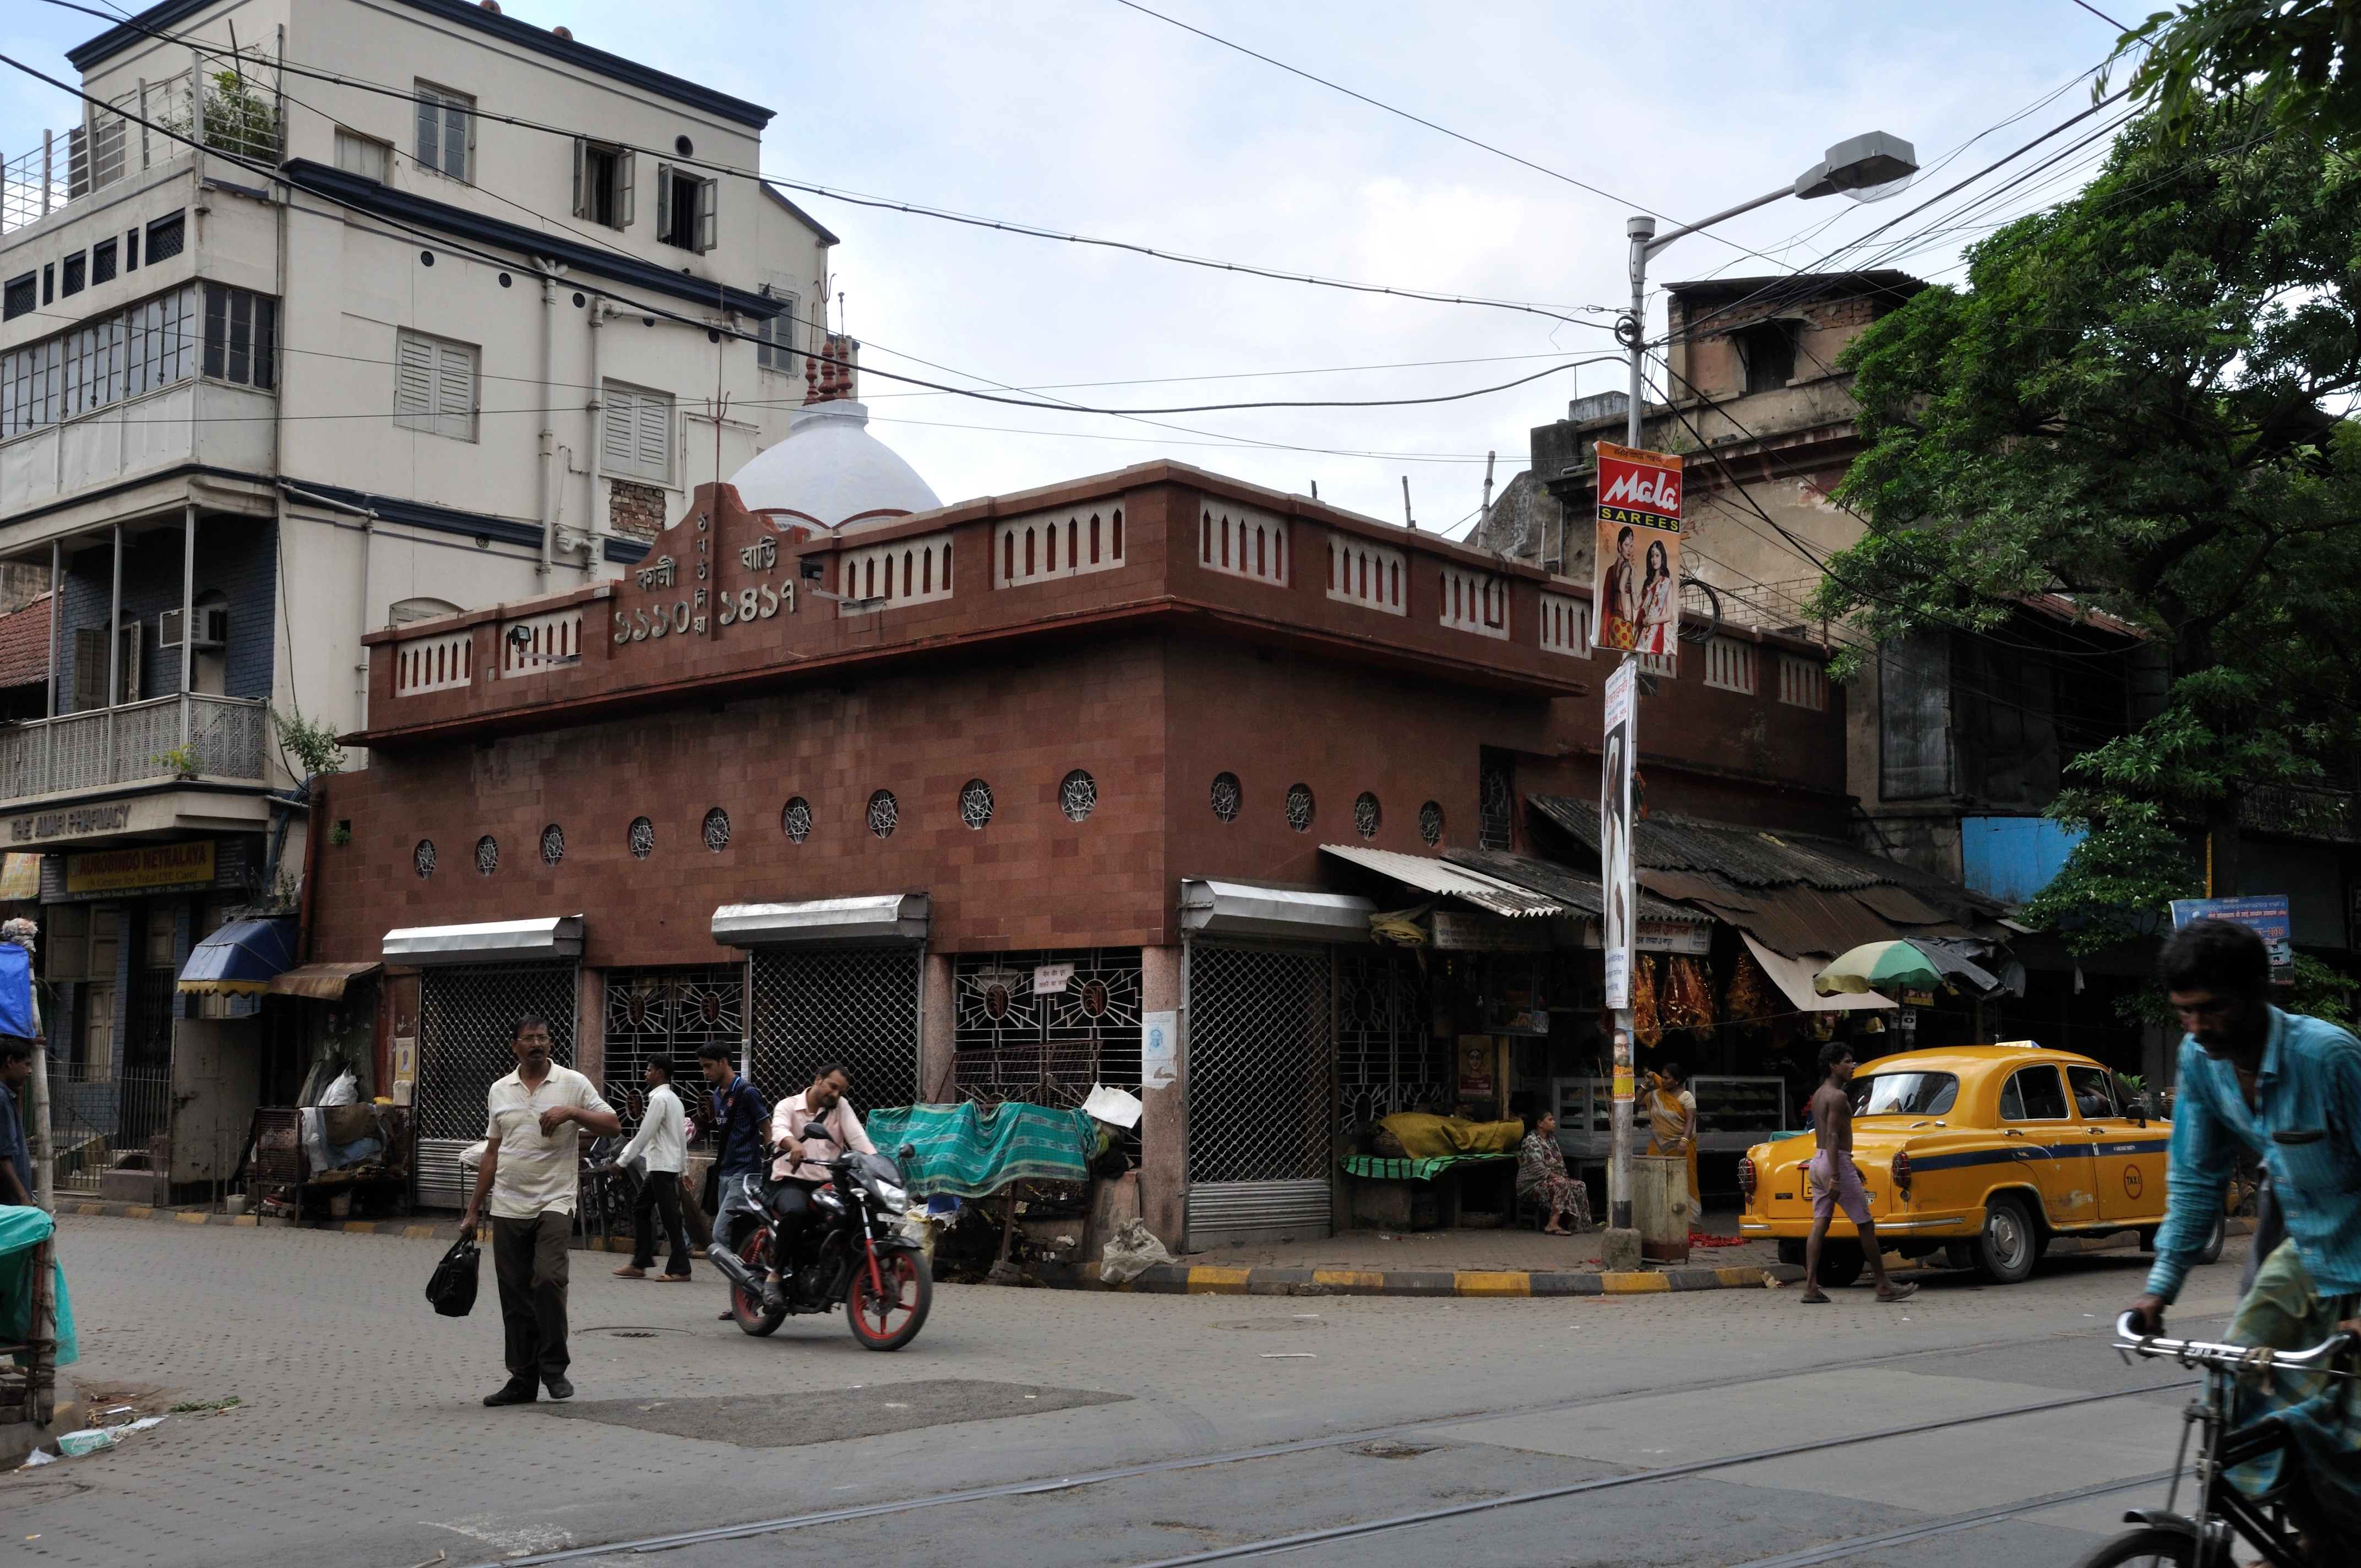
x,y
897,1200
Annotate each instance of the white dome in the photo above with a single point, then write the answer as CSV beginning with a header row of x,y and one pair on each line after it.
x,y
831,471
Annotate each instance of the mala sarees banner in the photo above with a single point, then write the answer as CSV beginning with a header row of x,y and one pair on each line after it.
x,y
1638,590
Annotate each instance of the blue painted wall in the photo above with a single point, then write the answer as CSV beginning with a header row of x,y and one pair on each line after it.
x,y
237,557
2013,858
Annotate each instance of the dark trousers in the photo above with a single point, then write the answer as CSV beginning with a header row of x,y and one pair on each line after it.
x,y
659,1196
529,1259
790,1216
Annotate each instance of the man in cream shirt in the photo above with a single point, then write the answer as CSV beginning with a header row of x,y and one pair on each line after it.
x,y
663,1142
532,1159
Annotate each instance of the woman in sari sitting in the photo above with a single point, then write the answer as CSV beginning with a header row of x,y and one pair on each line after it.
x,y
1540,1171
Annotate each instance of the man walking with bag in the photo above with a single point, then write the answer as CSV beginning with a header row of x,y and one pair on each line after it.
x,y
662,1140
537,1115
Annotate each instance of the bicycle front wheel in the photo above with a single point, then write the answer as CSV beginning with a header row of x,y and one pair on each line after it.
x,y
2144,1549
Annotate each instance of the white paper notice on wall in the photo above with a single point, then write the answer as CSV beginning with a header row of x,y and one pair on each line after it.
x,y
1159,1041
1049,979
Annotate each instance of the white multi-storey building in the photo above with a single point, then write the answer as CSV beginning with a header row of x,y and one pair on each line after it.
x,y
408,307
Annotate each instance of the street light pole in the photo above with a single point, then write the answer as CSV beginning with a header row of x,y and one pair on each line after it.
x,y
1856,167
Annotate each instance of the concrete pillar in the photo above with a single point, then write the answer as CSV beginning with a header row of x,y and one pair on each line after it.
x,y
1164,1121
938,1072
590,1027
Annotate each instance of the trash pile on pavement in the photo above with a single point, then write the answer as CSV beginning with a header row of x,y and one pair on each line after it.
x,y
89,1440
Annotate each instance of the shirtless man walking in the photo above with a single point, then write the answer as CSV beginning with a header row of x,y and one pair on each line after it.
x,y
1836,1182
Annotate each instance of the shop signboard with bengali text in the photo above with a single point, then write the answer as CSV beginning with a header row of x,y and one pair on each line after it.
x,y
2267,914
151,867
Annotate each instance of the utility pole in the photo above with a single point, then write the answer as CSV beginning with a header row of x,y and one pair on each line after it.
x,y
1859,166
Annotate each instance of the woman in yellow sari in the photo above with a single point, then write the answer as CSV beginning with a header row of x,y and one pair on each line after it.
x,y
1672,1125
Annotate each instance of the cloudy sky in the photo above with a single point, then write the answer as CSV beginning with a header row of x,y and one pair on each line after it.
x,y
1091,116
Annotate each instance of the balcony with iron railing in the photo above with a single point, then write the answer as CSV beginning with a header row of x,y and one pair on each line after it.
x,y
146,129
190,734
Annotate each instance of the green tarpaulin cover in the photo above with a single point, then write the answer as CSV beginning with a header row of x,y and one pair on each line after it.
x,y
973,1153
1377,1167
22,1230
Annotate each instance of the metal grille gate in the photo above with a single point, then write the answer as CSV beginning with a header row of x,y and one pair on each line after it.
x,y
855,1005
1260,1074
467,1018
668,1012
1048,1050
1387,1058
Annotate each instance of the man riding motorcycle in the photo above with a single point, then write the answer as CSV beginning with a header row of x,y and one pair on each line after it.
x,y
800,1169
2287,1087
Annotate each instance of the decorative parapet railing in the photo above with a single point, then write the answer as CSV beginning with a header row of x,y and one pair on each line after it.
x,y
214,737
149,126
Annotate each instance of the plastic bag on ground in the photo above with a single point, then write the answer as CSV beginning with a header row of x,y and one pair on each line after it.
x,y
344,1092
90,1440
1129,1253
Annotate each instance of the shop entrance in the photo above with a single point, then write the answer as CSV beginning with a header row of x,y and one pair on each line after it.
x,y
671,1013
1260,1074
467,1018
855,1005
1387,1060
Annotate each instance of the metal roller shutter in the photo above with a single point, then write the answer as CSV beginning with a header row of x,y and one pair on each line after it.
x,y
467,1018
855,1005
1260,1066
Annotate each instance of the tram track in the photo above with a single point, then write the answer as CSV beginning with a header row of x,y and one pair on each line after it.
x,y
675,1540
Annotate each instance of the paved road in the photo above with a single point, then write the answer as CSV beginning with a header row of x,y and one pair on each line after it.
x,y
361,1441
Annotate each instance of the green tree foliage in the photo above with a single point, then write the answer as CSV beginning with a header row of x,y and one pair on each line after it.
x,y
311,744
2297,62
2141,400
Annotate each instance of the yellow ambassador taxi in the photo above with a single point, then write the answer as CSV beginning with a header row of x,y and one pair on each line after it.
x,y
1983,1153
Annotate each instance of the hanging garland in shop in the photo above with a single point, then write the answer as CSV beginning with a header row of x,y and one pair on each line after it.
x,y
1687,1005
1647,1026
1749,1001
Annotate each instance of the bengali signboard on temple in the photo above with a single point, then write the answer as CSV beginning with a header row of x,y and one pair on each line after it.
x,y
720,566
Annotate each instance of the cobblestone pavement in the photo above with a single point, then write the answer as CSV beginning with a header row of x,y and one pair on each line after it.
x,y
361,1440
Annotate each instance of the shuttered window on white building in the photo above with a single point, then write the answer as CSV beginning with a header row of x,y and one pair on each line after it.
x,y
635,438
435,386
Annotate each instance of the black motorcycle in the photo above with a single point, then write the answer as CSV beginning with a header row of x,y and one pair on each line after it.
x,y
849,1252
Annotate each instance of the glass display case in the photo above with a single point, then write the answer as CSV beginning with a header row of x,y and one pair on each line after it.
x,y
1733,1115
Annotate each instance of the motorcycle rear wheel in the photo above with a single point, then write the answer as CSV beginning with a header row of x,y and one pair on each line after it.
x,y
2144,1549
747,1305
890,1320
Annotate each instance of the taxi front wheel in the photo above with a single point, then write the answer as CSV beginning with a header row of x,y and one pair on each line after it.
x,y
2211,1250
2006,1251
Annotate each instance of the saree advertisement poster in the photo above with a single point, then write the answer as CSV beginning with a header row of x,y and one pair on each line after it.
x,y
1638,589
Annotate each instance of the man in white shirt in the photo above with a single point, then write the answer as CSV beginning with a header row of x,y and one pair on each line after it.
x,y
536,1116
663,1141
798,1170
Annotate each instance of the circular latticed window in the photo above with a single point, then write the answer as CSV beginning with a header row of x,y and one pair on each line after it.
x,y
717,829
1366,815
795,820
643,837
1226,796
422,856
1299,808
1429,824
553,843
488,854
885,814
975,803
1077,795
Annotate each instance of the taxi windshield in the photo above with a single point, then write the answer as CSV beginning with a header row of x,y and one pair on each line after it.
x,y
1904,1093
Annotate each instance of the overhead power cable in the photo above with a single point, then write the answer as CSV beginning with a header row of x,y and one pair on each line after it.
x,y
884,203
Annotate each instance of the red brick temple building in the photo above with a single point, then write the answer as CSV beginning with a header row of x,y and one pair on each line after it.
x,y
980,797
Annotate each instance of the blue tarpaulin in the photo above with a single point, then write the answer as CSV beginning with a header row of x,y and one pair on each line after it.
x,y
21,1230
17,992
242,958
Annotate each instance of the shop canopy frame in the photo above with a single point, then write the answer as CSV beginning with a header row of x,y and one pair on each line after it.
x,y
240,958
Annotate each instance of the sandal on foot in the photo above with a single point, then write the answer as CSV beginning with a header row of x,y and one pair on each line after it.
x,y
1902,1292
628,1272
1814,1300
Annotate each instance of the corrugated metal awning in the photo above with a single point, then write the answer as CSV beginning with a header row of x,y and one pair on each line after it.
x,y
1210,908
490,941
321,983
873,917
1581,894
1428,875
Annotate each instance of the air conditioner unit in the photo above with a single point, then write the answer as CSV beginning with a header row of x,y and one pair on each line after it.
x,y
212,629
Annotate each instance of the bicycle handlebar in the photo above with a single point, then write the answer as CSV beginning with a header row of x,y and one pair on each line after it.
x,y
2232,1357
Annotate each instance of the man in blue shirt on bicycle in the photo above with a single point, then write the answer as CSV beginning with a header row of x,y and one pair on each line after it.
x,y
2288,1088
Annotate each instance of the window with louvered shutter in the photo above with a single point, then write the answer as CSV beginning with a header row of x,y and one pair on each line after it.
x,y
435,386
636,439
